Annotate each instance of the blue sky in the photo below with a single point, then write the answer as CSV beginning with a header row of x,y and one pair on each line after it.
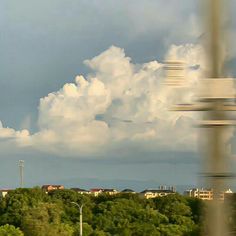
x,y
85,132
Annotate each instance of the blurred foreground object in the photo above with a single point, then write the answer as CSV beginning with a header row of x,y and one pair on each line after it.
x,y
215,96
175,72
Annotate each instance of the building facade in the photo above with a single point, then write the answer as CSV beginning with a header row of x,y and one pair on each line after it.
x,y
205,194
153,193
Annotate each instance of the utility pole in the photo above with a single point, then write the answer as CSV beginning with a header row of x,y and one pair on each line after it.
x,y
80,217
21,167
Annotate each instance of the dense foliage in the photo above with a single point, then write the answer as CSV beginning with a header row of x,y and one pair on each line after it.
x,y
10,230
36,213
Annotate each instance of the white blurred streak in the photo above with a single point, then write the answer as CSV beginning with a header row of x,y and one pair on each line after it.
x,y
175,72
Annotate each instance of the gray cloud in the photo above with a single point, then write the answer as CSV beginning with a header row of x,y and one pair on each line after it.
x,y
43,43
43,46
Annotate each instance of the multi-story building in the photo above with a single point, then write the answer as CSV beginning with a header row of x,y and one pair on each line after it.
x,y
97,191
161,192
205,194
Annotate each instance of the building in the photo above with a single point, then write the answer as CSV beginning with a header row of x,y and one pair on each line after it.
x,y
205,194
127,190
4,192
81,191
98,191
228,193
153,193
48,188
110,191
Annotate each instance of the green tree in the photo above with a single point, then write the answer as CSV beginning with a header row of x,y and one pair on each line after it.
x,y
100,233
70,211
122,216
10,230
45,220
41,214
179,213
144,229
170,230
197,208
87,229
16,202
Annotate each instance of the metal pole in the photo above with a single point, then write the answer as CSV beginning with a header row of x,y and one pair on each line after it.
x,y
81,220
216,153
80,217
21,166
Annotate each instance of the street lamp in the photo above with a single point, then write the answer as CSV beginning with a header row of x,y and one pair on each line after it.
x,y
80,217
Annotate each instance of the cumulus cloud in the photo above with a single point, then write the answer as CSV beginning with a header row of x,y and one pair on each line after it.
x,y
118,103
19,137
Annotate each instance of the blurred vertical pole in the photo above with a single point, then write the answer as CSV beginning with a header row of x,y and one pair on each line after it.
x,y
81,219
21,167
216,146
215,38
215,93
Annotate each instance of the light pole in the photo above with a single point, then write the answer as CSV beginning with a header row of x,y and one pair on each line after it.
x,y
21,167
80,217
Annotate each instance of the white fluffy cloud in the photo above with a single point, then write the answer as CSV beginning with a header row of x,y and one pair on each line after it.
x,y
12,137
118,103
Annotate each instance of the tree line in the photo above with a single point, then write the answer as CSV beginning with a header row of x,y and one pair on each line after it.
x,y
32,212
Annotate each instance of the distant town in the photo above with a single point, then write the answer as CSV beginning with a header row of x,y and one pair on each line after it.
x,y
200,193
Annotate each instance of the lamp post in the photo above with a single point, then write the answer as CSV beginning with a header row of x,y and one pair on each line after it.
x,y
21,167
80,217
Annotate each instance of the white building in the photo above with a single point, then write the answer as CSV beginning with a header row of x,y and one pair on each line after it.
x,y
153,193
98,191
205,194
4,192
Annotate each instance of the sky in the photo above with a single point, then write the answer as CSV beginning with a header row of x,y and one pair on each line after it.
x,y
83,96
